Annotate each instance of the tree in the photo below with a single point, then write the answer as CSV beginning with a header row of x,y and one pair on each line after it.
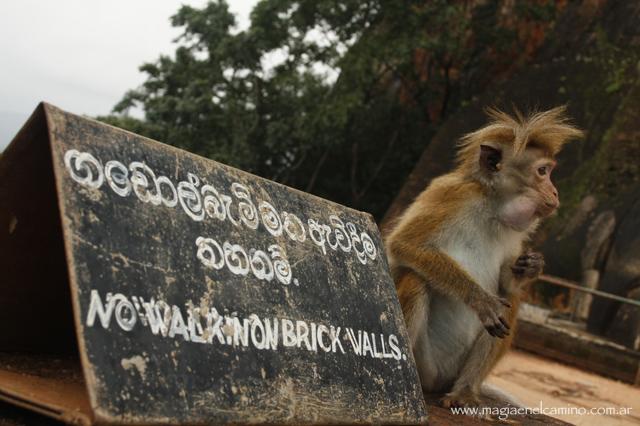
x,y
331,97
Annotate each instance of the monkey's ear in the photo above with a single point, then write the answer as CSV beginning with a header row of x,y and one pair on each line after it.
x,y
490,158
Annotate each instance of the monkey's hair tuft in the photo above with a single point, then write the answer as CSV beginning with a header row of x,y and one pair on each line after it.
x,y
548,130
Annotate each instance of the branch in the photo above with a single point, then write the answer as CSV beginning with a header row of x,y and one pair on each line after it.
x,y
314,175
289,169
353,171
447,88
380,165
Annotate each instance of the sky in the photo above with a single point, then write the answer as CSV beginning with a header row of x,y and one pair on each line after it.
x,y
81,55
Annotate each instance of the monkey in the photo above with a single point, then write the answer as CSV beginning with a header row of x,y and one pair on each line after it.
x,y
457,252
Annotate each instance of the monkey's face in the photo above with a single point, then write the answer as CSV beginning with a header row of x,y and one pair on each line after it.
x,y
521,184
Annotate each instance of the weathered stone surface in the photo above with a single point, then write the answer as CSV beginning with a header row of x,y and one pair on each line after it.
x,y
625,327
622,270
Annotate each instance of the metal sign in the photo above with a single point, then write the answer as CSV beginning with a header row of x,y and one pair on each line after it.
x,y
202,293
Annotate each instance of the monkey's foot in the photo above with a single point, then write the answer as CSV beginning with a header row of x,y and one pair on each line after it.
x,y
460,399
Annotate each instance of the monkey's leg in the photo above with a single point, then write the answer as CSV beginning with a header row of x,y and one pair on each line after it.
x,y
466,389
483,356
414,298
412,293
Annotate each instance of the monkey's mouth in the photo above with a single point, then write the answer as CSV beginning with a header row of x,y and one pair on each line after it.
x,y
546,210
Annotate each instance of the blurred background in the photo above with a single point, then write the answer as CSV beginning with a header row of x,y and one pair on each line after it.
x,y
361,103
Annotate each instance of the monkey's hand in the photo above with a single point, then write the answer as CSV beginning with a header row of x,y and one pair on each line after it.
x,y
528,265
491,310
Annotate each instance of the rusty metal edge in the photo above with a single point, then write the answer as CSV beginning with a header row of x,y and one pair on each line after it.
x,y
24,401
58,413
87,371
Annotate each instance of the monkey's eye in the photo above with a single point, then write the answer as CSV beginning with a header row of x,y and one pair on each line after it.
x,y
542,171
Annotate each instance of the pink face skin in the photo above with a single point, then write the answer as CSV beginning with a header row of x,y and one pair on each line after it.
x,y
541,200
548,194
518,213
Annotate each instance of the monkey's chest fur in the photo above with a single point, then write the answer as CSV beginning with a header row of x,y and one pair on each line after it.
x,y
451,326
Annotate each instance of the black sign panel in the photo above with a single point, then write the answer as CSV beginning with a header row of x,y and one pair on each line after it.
x,y
206,294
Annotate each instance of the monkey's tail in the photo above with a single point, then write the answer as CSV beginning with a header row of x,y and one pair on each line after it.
x,y
494,392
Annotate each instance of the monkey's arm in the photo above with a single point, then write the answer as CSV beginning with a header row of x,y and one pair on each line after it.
x,y
439,270
445,276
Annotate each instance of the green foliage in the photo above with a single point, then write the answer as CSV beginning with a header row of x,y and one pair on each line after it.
x,y
335,98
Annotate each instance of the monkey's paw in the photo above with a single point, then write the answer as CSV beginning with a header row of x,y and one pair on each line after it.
x,y
492,312
529,265
460,399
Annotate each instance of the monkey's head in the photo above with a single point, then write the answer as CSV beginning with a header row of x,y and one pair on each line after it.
x,y
513,158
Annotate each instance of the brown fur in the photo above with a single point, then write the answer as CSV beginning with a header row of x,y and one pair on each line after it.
x,y
547,130
457,199
446,195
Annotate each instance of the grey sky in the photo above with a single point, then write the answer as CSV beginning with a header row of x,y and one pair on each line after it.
x,y
81,55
